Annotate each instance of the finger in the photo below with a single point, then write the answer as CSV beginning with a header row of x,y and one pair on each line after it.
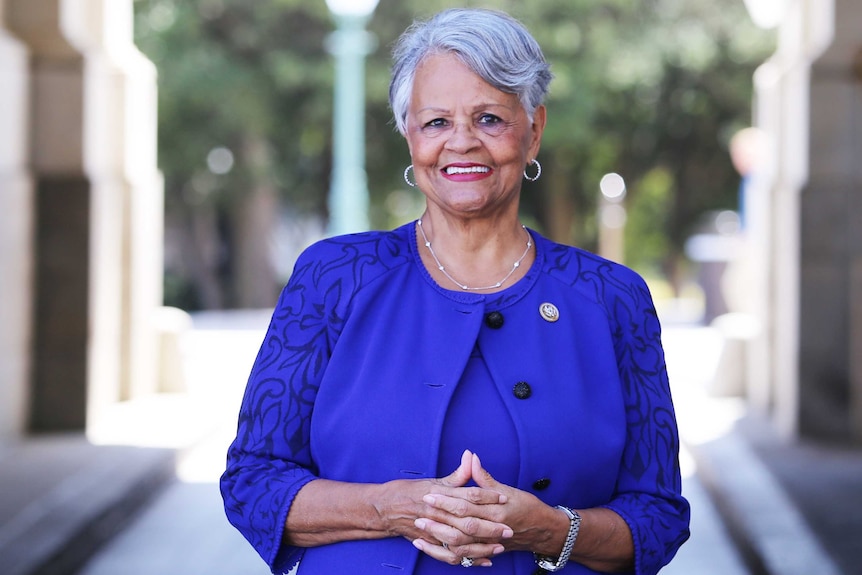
x,y
462,474
480,553
464,530
482,474
462,501
484,479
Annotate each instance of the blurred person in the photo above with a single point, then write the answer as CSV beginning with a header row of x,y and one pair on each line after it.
x,y
395,359
750,155
748,151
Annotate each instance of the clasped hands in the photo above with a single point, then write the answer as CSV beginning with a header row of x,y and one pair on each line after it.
x,y
481,521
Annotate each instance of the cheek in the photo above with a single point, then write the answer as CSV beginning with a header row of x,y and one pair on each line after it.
x,y
423,152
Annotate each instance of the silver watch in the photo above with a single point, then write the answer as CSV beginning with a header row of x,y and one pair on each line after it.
x,y
551,564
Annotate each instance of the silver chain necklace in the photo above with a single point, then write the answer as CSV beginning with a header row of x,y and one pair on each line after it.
x,y
442,268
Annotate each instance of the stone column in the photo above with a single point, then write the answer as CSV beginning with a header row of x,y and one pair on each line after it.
x,y
93,103
831,234
809,101
16,229
134,91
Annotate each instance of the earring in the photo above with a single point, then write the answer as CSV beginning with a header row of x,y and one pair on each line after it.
x,y
538,171
406,179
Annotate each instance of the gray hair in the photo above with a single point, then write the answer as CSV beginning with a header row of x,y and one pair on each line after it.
x,y
492,44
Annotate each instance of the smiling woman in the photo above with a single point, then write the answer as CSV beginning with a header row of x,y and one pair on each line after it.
x,y
470,143
394,358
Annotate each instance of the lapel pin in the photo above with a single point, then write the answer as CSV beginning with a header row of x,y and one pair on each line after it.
x,y
549,312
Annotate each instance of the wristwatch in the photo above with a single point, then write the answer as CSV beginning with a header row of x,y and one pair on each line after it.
x,y
551,564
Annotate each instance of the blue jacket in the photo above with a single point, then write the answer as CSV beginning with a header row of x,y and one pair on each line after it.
x,y
364,351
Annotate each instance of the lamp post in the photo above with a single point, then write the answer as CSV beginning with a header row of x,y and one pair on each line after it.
x,y
612,217
349,44
766,14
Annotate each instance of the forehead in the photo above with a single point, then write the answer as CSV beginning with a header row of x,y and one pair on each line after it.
x,y
443,80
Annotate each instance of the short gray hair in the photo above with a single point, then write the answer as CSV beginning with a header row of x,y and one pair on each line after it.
x,y
492,44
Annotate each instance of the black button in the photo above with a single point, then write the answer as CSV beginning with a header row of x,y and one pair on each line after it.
x,y
522,390
494,320
541,484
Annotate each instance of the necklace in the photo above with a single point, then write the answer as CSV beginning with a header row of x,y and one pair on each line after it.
x,y
442,268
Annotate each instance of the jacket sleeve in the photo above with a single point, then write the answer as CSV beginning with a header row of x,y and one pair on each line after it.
x,y
269,461
648,493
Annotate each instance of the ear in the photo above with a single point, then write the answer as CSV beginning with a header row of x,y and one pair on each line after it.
x,y
540,117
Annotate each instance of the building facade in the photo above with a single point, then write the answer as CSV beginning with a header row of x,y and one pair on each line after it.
x,y
805,366
81,204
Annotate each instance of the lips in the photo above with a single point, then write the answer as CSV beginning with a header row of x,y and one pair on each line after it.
x,y
458,170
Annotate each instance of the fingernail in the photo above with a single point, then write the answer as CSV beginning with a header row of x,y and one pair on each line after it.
x,y
417,543
420,524
429,499
498,549
508,533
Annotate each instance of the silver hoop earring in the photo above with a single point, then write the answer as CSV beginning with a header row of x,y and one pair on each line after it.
x,y
406,179
538,171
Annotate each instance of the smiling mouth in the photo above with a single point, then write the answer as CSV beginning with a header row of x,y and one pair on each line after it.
x,y
452,170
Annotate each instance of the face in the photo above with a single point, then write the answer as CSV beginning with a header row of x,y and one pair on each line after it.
x,y
469,141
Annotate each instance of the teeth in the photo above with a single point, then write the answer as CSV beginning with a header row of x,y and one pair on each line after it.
x,y
471,170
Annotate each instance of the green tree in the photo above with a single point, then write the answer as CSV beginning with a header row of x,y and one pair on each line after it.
x,y
651,90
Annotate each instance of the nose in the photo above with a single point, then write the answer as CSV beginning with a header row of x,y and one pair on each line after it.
x,y
462,138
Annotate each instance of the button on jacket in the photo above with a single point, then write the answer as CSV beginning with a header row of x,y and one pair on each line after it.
x,y
364,352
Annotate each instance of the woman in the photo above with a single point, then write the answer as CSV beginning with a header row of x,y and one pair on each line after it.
x,y
395,359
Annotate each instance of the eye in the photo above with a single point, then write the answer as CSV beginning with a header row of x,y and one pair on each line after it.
x,y
435,123
489,119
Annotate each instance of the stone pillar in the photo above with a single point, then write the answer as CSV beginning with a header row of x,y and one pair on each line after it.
x,y
855,343
93,150
809,102
831,240
16,230
135,97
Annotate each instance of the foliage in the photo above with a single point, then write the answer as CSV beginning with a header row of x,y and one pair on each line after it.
x,y
652,90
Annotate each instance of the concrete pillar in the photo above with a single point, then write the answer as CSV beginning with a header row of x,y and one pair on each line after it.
x,y
134,93
809,102
16,230
93,155
855,344
831,216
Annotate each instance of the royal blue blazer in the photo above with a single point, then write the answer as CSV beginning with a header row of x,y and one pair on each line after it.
x,y
364,351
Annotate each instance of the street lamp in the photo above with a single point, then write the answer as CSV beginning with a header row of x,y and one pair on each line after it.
x,y
349,44
766,14
612,217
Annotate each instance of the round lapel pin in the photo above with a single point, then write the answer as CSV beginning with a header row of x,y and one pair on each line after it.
x,y
549,312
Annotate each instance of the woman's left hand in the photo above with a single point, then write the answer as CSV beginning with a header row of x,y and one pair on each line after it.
x,y
527,517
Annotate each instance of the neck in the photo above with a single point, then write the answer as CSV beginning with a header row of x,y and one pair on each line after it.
x,y
471,270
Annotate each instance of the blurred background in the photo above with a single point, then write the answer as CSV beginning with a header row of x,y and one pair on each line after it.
x,y
164,162
653,91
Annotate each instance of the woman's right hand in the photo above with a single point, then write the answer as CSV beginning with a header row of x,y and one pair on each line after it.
x,y
408,508
326,511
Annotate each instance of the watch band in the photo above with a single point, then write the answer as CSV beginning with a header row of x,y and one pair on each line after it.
x,y
551,564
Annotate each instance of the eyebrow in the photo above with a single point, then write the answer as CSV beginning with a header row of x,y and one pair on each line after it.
x,y
475,108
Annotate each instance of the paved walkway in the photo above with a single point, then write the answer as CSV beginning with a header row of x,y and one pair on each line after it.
x,y
184,531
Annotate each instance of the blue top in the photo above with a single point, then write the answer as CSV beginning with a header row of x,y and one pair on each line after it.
x,y
358,374
477,420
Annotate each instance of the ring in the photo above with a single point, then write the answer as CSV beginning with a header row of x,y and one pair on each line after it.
x,y
466,562
446,546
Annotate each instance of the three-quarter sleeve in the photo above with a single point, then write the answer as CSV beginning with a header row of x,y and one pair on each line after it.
x,y
648,492
270,459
